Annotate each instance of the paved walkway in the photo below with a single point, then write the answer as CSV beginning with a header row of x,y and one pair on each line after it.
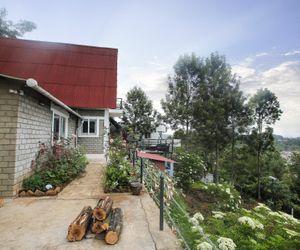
x,y
41,223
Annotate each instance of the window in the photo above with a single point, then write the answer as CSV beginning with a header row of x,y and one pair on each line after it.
x,y
89,128
59,126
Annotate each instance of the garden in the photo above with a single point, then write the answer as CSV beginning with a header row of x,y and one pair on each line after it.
x,y
53,169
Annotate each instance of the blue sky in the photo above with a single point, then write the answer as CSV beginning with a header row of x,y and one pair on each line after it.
x,y
261,40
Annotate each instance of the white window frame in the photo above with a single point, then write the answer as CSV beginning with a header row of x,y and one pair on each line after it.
x,y
97,118
60,114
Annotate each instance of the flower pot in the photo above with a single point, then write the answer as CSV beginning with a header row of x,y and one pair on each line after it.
x,y
136,188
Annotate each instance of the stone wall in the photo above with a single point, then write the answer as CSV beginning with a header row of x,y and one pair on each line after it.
x,y
8,128
93,145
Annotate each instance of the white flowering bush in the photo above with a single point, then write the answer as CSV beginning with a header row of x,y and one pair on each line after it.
x,y
204,246
253,223
189,169
225,197
226,243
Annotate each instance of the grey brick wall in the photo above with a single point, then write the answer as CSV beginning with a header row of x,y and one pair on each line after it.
x,y
34,127
93,145
8,129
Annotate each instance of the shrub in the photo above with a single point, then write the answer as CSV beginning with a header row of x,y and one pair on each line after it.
x,y
118,171
189,169
60,167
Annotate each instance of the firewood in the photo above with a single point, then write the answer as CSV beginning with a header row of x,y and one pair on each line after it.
x,y
103,208
39,193
100,226
115,227
78,227
57,190
23,194
1,202
51,192
30,193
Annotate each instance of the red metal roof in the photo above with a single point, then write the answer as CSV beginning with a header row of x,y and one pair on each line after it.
x,y
80,76
155,157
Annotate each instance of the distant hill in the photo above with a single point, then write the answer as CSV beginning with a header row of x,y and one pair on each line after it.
x,y
287,144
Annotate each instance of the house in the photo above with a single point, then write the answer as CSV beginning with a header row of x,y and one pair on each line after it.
x,y
161,162
49,92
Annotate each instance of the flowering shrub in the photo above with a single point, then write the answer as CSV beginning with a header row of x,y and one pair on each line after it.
x,y
250,222
226,244
204,246
189,169
225,197
118,171
59,166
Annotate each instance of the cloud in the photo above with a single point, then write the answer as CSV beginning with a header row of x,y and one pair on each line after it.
x,y
284,81
292,53
262,54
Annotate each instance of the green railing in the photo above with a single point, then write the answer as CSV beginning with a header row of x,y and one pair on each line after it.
x,y
161,188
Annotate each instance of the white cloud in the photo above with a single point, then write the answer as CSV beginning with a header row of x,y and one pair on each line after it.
x,y
284,81
292,53
261,54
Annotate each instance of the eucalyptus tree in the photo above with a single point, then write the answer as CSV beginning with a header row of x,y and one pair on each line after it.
x,y
178,103
266,111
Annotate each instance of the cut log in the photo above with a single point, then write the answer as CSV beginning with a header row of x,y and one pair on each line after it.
x,y
103,208
78,227
115,227
99,227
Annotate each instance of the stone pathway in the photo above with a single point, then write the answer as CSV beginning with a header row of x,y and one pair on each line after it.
x,y
41,223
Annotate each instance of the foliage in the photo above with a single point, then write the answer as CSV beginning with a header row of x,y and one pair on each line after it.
x,y
182,86
287,144
266,111
189,168
139,115
118,171
216,91
224,196
60,167
13,30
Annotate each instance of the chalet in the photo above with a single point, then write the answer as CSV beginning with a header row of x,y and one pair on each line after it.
x,y
52,91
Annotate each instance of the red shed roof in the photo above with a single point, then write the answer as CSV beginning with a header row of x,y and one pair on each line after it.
x,y
80,76
154,157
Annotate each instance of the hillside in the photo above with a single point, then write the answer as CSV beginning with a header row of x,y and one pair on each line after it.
x,y
287,144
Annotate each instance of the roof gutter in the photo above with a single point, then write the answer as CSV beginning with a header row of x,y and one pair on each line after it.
x,y
34,85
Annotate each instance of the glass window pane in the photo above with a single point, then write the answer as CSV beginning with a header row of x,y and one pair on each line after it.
x,y
93,126
85,127
62,126
56,127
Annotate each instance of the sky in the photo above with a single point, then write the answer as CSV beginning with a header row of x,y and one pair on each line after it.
x,y
260,39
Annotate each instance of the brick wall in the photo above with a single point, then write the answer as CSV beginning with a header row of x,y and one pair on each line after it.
x,y
34,127
93,145
8,129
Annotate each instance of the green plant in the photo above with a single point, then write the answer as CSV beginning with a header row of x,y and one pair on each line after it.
x,y
61,166
189,169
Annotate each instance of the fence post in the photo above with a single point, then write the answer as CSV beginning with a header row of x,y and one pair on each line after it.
x,y
142,169
133,159
161,204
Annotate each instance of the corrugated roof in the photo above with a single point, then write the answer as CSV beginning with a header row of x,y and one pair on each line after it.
x,y
155,157
80,76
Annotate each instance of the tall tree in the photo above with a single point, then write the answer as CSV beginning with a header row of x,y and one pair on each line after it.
x,y
178,106
266,111
239,118
14,30
139,114
212,105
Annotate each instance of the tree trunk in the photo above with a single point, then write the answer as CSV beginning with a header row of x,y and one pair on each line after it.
x,y
216,172
232,156
78,227
115,227
103,208
258,161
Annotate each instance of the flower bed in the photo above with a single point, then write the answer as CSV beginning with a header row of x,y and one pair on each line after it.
x,y
60,165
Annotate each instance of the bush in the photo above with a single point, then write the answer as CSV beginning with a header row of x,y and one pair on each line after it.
x,y
189,169
61,166
118,171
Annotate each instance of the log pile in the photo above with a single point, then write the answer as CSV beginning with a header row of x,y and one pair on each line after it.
x,y
104,221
